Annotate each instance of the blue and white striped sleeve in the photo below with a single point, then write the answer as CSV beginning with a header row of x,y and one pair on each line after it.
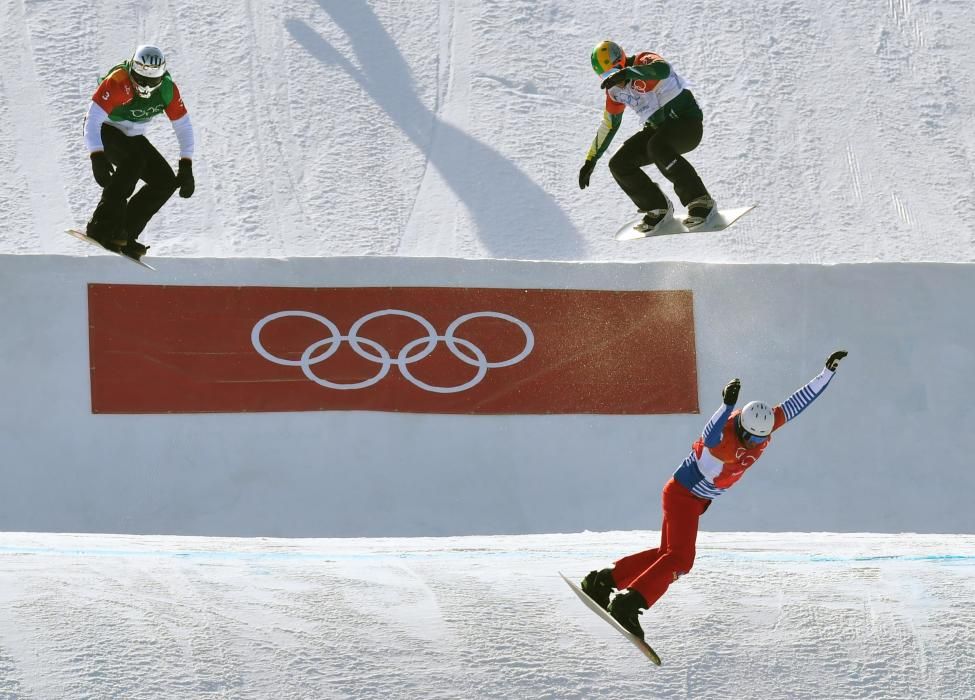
x,y
715,427
800,400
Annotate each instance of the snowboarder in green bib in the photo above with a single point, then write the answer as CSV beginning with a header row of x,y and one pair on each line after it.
x,y
672,125
128,97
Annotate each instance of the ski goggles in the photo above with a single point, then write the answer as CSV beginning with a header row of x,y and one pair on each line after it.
x,y
145,81
750,438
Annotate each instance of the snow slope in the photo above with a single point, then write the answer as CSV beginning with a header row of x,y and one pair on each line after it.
x,y
457,129
787,616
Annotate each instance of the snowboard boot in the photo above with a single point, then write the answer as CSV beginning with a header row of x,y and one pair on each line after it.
x,y
598,585
654,217
626,609
134,249
105,237
698,211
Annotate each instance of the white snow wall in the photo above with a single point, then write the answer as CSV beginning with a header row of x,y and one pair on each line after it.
x,y
885,449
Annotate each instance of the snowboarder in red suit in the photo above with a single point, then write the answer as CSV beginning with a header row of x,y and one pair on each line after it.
x,y
732,441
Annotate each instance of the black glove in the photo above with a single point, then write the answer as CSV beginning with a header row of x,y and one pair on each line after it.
x,y
585,172
102,168
616,78
833,361
730,392
184,178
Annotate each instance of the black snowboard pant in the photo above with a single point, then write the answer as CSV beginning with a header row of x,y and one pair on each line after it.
x,y
662,146
134,159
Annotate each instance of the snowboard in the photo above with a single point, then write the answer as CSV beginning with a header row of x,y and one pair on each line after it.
x,y
591,604
718,221
82,237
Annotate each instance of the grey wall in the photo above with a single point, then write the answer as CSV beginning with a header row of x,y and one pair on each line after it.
x,y
882,450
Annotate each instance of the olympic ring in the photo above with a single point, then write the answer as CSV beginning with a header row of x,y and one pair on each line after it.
x,y
464,350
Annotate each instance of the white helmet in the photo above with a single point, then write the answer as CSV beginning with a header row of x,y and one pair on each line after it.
x,y
757,418
147,69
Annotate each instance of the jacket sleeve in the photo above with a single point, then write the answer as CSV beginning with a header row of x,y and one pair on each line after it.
x,y
604,136
184,134
94,119
801,398
715,427
180,118
656,70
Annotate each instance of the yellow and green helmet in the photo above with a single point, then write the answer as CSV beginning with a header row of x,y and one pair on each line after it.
x,y
607,58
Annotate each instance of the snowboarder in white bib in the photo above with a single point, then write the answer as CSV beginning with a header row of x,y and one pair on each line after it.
x,y
128,97
672,125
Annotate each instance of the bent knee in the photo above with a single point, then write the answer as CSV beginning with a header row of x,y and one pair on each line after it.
x,y
682,565
620,164
165,182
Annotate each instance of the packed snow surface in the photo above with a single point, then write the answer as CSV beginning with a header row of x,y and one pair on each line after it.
x,y
457,129
761,616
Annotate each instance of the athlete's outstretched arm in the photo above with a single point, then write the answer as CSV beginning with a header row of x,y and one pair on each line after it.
x,y
802,397
712,431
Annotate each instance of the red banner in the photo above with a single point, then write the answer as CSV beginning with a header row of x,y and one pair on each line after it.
x,y
181,349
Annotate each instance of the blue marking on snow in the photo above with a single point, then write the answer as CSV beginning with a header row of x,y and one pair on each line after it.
x,y
225,555
830,558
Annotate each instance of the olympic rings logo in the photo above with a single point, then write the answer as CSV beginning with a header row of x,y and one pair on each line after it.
x,y
464,350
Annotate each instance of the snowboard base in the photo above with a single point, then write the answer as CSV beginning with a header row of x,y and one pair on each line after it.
x,y
719,220
80,235
645,648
